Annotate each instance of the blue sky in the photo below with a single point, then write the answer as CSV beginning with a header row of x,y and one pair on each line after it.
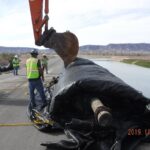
x,y
93,21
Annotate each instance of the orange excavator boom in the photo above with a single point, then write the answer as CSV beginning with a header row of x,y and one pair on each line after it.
x,y
38,21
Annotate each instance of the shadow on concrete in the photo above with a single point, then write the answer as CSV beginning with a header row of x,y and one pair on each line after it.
x,y
2,95
16,102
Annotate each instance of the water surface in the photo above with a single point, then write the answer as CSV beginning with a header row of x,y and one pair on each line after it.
x,y
136,76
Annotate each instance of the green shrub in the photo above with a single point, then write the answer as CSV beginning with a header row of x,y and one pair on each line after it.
x,y
139,62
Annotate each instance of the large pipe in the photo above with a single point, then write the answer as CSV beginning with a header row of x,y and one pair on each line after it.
x,y
101,112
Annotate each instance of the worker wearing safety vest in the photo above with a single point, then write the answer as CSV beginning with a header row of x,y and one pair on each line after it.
x,y
16,64
45,63
35,77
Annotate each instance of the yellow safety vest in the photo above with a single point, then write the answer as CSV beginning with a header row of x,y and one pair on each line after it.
x,y
15,62
32,68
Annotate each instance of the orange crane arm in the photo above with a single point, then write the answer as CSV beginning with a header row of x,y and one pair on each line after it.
x,y
38,21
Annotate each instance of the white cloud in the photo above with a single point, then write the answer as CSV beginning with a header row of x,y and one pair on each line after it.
x,y
118,31
94,21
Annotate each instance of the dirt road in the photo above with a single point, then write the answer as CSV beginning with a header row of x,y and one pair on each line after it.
x,y
13,106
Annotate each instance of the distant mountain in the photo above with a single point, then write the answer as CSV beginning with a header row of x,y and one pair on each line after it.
x,y
14,49
122,48
19,50
110,48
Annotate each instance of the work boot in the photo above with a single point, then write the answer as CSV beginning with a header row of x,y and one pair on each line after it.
x,y
41,109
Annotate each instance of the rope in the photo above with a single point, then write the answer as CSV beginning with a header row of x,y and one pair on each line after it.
x,y
36,122
16,124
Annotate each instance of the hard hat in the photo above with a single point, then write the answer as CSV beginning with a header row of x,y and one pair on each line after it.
x,y
16,56
44,54
34,52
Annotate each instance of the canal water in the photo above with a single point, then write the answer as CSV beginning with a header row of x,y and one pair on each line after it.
x,y
136,76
